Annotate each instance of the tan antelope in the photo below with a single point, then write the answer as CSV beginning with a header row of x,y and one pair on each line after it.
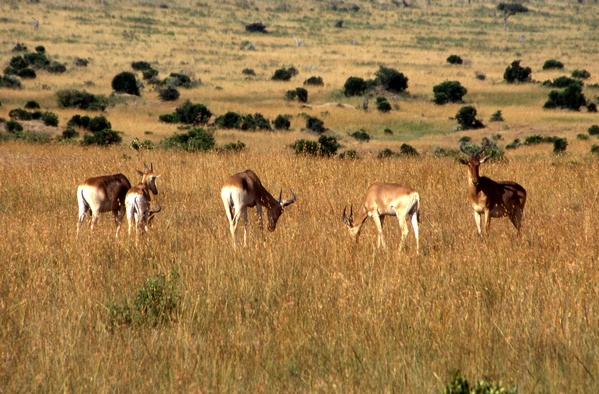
x,y
137,201
244,190
386,199
102,194
489,198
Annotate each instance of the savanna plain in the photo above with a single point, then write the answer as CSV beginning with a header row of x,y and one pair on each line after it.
x,y
304,309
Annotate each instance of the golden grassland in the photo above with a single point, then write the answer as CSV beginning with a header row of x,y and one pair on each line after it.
x,y
306,309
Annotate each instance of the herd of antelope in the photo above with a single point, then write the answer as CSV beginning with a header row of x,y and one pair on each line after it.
x,y
114,193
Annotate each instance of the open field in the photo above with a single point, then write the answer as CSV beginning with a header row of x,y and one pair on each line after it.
x,y
307,310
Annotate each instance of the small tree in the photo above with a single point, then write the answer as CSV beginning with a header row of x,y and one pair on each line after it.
x,y
315,124
449,92
509,9
354,86
466,118
125,82
282,122
516,73
454,59
392,80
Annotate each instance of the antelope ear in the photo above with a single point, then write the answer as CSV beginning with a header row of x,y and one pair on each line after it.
x,y
464,161
484,159
140,172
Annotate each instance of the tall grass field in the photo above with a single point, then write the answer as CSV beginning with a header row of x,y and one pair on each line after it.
x,y
303,308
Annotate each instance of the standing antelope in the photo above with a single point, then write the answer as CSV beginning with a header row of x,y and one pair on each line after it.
x,y
244,190
138,200
386,199
102,194
493,199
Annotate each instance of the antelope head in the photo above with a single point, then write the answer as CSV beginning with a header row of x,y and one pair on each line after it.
x,y
276,210
349,221
149,178
473,162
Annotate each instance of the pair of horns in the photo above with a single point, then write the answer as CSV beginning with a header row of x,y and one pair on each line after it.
x,y
346,219
284,203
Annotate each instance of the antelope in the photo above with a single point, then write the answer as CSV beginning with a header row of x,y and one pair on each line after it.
x,y
137,201
386,199
490,198
102,194
244,190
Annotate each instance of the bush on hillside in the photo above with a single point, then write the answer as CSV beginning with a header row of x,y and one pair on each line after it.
x,y
71,98
360,135
449,92
581,74
515,73
392,80
569,98
98,123
169,93
105,137
383,105
195,140
282,122
466,118
355,86
125,82
552,64
315,124
188,113
141,66
315,81
454,59
282,74
50,119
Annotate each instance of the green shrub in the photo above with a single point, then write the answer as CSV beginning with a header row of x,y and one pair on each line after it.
x,y
40,49
386,154
79,121
149,74
26,73
383,105
361,135
136,144
152,305
516,73
257,27
581,74
141,66
13,127
18,62
582,137
315,81
125,82
291,95
514,144
188,113
492,150
98,123
560,145
248,71
79,62
50,119
391,79
37,59
20,114
561,82
348,154
32,104
354,86
195,140
178,79
282,122
496,116
233,147
408,150
281,74
454,59
315,124
56,68
10,81
254,122
230,120
466,118
169,93
533,139
595,149
552,63
302,95
105,137
594,130
328,145
306,147
569,98
449,92
591,107
81,99
70,133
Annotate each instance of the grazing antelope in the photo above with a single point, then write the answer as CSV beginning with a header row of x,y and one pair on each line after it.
x,y
386,199
137,201
102,194
490,198
244,190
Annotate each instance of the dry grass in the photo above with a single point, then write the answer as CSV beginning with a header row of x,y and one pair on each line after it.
x,y
306,310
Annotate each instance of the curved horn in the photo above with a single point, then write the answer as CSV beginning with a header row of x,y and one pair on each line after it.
x,y
156,210
478,152
151,167
287,202
351,212
280,195
464,150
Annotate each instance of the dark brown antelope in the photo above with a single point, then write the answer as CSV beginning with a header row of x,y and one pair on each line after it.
x,y
386,199
137,201
244,190
102,194
492,199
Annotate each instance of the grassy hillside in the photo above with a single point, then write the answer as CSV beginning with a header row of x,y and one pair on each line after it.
x,y
304,308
